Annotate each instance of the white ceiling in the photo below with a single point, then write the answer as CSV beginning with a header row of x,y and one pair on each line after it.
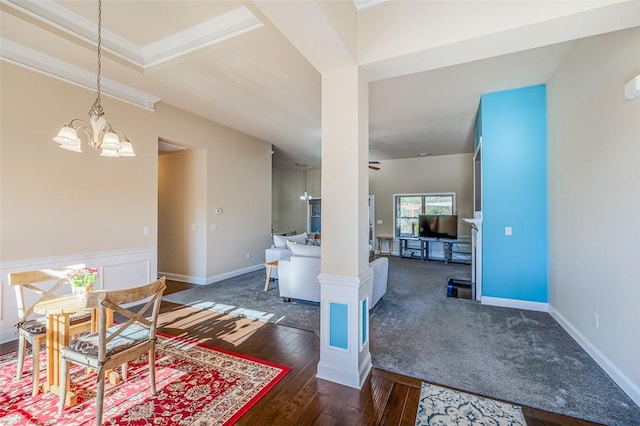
x,y
255,80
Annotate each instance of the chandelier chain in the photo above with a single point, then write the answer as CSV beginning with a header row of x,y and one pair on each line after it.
x,y
96,108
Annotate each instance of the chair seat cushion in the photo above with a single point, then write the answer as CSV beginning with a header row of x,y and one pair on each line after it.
x,y
39,325
88,343
34,326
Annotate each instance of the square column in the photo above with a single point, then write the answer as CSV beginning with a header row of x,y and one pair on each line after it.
x,y
345,277
344,329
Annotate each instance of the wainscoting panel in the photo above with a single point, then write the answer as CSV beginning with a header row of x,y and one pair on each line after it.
x,y
118,269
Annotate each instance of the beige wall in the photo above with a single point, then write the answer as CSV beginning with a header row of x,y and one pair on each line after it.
x,y
446,173
54,202
182,213
594,199
239,176
289,212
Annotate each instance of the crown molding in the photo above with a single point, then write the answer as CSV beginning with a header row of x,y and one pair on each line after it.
x,y
363,4
223,27
34,60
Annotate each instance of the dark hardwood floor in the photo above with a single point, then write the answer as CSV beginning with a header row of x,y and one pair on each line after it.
x,y
300,398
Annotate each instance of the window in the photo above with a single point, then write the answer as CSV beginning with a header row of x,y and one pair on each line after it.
x,y
409,206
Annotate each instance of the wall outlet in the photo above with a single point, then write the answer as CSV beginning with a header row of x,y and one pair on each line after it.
x,y
379,221
508,230
596,321
214,227
145,230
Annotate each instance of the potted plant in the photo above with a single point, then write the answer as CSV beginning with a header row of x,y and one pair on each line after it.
x,y
82,280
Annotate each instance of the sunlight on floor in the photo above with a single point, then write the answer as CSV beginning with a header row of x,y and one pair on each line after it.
x,y
238,324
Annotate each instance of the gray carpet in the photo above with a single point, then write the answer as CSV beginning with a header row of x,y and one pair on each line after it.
x,y
520,356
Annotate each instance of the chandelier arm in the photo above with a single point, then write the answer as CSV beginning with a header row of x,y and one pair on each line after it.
x,y
87,132
82,126
123,134
73,124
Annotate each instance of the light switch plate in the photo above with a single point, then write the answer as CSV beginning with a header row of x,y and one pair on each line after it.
x,y
508,230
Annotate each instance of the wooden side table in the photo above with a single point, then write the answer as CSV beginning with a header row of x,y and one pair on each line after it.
x,y
389,241
269,266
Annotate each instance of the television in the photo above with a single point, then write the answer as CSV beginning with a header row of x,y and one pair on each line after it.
x,y
438,226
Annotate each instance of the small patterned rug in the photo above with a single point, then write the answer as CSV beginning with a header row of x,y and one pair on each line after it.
x,y
196,385
442,406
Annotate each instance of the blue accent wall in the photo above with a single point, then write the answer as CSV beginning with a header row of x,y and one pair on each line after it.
x,y
339,325
514,193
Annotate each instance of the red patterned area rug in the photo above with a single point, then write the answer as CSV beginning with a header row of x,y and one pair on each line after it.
x,y
196,384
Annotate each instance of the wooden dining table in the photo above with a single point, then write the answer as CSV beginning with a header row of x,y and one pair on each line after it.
x,y
58,311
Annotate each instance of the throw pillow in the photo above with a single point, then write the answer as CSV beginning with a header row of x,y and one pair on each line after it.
x,y
279,241
300,238
313,242
304,251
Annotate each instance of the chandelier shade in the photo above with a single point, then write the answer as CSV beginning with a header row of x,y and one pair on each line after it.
x,y
98,132
72,148
67,136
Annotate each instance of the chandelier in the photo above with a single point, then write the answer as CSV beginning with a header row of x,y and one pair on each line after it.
x,y
99,133
306,196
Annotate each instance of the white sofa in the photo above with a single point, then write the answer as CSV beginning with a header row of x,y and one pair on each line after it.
x,y
380,277
279,249
276,253
298,277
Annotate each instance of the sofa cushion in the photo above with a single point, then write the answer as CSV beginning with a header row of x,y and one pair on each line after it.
x,y
280,241
300,238
304,251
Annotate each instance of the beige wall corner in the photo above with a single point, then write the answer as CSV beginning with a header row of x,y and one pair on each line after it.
x,y
594,199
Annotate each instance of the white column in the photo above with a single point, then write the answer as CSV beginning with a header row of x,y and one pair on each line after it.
x,y
345,277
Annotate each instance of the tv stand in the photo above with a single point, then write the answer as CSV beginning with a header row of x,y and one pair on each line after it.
x,y
421,245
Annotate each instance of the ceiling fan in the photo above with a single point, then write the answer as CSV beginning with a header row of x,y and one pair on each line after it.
x,y
373,167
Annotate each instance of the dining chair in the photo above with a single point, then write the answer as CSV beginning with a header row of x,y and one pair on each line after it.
x,y
113,346
33,329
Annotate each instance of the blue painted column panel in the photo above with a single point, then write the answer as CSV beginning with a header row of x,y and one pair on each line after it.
x,y
338,322
514,185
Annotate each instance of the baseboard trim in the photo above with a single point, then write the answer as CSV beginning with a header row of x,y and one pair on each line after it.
x,y
605,363
515,303
353,379
192,279
232,274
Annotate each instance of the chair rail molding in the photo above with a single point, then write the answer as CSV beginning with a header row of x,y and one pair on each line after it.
x,y
119,269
